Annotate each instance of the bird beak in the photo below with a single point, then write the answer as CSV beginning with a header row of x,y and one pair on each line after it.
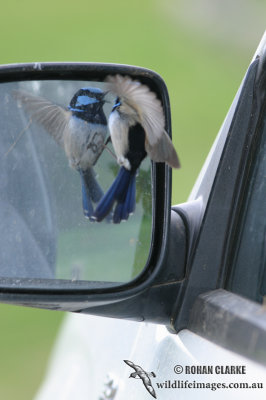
x,y
117,104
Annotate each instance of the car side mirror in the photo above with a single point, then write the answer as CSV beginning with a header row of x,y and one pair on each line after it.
x,y
53,254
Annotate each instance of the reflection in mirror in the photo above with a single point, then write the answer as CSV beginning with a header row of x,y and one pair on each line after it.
x,y
57,165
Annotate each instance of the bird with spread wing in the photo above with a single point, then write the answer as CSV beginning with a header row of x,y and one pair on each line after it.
x,y
143,375
137,128
80,129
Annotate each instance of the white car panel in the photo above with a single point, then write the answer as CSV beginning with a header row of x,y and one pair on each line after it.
x,y
91,348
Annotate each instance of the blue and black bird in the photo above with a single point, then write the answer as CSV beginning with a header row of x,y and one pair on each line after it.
x,y
80,129
136,126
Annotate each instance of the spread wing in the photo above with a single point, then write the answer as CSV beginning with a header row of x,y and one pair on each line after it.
x,y
137,368
147,383
52,117
150,112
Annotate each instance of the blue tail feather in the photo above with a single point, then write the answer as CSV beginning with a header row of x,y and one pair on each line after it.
x,y
131,199
121,191
125,208
119,210
86,201
91,191
94,189
106,203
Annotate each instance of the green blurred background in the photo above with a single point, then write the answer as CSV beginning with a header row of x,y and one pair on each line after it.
x,y
202,50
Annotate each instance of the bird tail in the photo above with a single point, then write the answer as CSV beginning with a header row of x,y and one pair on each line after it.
x,y
123,192
91,191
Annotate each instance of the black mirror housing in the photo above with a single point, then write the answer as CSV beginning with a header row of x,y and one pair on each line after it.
x,y
149,295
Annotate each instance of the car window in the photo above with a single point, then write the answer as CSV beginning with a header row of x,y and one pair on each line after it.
x,y
248,270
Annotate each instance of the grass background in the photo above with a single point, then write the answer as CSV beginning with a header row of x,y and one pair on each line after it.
x,y
201,49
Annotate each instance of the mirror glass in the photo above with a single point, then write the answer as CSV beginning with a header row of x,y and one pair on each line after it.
x,y
51,184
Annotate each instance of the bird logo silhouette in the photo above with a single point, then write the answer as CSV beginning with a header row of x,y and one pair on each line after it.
x,y
143,375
